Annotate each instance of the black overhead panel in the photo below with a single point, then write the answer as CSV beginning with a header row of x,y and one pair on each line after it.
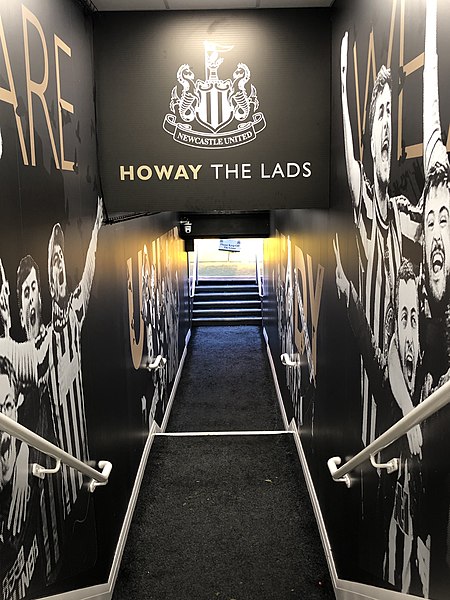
x,y
214,110
237,225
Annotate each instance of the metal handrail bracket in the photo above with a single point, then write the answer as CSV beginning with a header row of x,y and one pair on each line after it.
x,y
158,363
435,401
288,362
105,467
36,441
333,464
41,472
391,466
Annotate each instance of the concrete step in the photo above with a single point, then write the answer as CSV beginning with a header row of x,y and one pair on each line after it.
x,y
226,302
210,321
227,312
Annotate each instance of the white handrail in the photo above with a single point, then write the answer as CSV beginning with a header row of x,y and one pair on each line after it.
x,y
193,279
33,439
259,277
437,400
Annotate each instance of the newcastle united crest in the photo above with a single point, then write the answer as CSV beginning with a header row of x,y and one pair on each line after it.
x,y
214,112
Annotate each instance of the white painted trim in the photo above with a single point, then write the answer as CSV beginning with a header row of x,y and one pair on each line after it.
x,y
140,474
105,591
315,504
350,590
275,381
130,510
175,384
99,592
220,433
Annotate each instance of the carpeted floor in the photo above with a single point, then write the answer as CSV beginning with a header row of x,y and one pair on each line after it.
x,y
224,517
226,384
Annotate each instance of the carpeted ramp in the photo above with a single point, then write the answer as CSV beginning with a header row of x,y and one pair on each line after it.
x,y
223,518
226,384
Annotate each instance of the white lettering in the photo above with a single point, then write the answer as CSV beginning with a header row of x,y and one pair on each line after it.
x,y
216,167
246,171
292,169
263,174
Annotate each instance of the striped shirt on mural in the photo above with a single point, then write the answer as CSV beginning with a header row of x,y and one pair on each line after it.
x,y
54,360
380,251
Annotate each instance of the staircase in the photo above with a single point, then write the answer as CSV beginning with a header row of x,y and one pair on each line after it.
x,y
226,302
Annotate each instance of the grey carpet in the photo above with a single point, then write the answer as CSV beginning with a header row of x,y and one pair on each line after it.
x,y
226,384
223,518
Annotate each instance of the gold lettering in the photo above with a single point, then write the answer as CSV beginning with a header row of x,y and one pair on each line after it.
x,y
391,33
315,296
144,172
33,87
124,173
10,96
181,172
195,170
66,165
299,265
415,150
371,62
163,171
136,346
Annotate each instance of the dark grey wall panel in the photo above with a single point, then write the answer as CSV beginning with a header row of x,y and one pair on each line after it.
x,y
264,76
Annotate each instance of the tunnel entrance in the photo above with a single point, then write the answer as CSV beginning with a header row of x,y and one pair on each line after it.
x,y
227,279
228,258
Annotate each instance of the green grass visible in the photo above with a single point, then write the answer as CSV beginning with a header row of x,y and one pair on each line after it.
x,y
226,269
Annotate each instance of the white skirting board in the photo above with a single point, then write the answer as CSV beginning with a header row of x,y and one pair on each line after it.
x,y
343,589
105,591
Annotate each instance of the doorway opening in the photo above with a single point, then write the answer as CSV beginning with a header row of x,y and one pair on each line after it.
x,y
228,258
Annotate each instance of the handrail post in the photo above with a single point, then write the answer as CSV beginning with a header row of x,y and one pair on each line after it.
x,y
158,363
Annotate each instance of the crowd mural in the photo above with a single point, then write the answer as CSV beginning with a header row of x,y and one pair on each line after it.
x,y
387,282
160,314
297,284
42,388
398,309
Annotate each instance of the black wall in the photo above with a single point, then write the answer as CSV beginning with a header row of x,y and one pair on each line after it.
x,y
282,161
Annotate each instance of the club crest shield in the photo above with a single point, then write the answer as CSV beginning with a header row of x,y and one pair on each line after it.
x,y
224,110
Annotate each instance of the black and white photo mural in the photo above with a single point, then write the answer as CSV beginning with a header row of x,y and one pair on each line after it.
x,y
43,390
153,315
50,220
296,281
392,280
